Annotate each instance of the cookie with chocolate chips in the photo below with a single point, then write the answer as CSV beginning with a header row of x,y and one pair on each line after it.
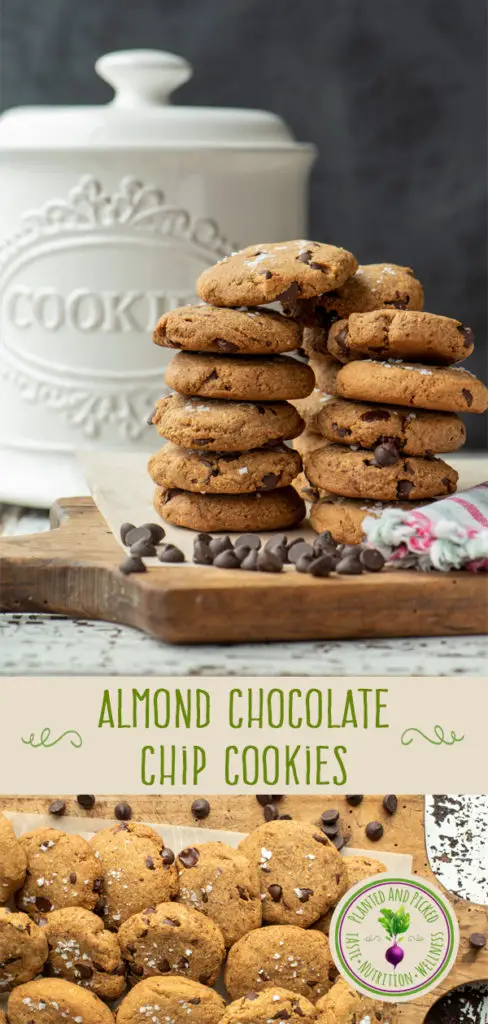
x,y
172,939
301,872
260,332
62,871
279,509
54,1001
13,861
263,469
221,883
82,951
343,1005
246,379
270,1005
356,869
283,956
176,1000
385,474
344,517
212,424
23,950
447,388
272,271
400,334
368,425
136,871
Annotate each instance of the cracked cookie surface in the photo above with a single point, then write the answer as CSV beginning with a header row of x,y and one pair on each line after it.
x,y
206,328
175,1000
357,474
56,1002
135,872
261,469
83,952
172,939
221,883
271,271
274,1004
220,426
446,388
292,958
368,424
62,871
400,334
343,1005
280,509
246,379
23,949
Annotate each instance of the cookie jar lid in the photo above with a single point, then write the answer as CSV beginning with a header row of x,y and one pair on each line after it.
x,y
141,115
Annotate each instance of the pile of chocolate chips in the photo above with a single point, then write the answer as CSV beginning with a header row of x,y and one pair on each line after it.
x,y
319,557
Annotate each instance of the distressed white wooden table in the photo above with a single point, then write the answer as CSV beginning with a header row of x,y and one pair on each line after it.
x,y
52,644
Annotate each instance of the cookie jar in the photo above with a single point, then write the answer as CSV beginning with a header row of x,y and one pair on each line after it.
x,y
108,215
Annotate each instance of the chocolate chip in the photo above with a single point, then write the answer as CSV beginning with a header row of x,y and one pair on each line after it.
x,y
84,970
171,922
201,552
330,817
87,802
225,346
243,893
73,877
319,266
200,809
270,812
138,533
264,799
330,830
403,488
167,856
132,564
170,553
227,560
203,440
386,454
304,257
320,839
123,811
195,1001
269,481
354,801
468,398
292,292
43,904
448,484
250,562
189,857
390,803
266,274
341,431
248,540
150,864
156,530
374,831
143,548
124,530
299,548
98,885
137,970
58,808
164,966
468,334
304,562
304,895
477,940
323,565
219,544
269,561
374,415
338,841
205,538
341,339
349,566
371,559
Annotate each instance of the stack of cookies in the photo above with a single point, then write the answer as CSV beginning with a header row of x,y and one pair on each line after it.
x,y
227,466
391,390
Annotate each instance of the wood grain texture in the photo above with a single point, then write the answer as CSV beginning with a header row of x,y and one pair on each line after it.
x,y
73,570
404,832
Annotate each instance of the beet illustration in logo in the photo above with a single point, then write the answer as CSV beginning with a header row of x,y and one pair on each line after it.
x,y
395,923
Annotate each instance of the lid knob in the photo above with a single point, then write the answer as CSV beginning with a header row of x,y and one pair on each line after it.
x,y
143,77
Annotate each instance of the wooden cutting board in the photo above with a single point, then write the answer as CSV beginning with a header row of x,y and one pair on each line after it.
x,y
404,832
73,570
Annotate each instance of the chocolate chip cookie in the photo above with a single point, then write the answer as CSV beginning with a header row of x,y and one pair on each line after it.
x,y
280,509
447,388
219,426
356,869
172,939
270,1005
13,861
373,286
136,869
343,1005
368,425
62,871
292,958
54,1001
263,469
83,952
400,334
362,474
344,517
23,949
300,871
272,271
222,884
246,379
260,332
175,1000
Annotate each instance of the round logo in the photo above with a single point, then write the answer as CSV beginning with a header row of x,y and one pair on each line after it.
x,y
394,939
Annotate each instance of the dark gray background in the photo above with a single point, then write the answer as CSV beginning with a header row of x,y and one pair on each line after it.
x,y
393,92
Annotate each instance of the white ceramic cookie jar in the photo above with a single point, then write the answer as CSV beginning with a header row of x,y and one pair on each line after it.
x,y
108,215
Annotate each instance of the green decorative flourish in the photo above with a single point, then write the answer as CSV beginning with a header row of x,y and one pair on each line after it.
x,y
440,737
45,740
